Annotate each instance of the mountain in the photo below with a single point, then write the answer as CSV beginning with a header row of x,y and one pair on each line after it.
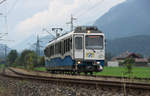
x,y
30,42
130,18
139,44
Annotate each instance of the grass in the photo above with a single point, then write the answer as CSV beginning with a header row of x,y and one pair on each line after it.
x,y
2,66
140,72
40,69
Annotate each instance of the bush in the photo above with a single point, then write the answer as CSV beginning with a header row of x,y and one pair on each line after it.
x,y
129,62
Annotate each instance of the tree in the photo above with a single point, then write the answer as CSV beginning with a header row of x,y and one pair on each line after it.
x,y
41,62
129,62
25,57
12,57
149,59
30,60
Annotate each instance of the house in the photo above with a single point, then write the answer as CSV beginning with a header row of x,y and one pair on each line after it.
x,y
139,60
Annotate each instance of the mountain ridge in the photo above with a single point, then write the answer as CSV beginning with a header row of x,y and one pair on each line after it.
x,y
126,19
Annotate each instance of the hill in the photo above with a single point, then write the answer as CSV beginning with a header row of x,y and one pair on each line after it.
x,y
139,44
130,18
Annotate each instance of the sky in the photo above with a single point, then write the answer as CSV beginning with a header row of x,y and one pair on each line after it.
x,y
29,17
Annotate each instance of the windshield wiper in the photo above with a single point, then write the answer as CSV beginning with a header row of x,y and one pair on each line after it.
x,y
93,50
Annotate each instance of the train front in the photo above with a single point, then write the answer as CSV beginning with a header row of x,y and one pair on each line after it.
x,y
89,49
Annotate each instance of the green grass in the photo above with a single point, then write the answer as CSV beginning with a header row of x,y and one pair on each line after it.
x,y
40,69
20,67
2,66
140,72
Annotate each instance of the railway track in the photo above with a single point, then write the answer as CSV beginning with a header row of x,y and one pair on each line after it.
x,y
124,84
114,78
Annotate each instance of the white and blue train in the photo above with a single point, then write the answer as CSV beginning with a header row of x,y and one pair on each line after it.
x,y
82,50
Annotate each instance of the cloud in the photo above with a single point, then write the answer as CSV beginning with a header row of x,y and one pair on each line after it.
x,y
59,11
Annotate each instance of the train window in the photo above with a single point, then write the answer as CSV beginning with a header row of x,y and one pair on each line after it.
x,y
94,42
56,48
70,43
59,48
64,46
78,42
46,52
52,50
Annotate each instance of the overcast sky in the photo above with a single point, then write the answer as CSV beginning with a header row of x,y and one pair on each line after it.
x,y
25,17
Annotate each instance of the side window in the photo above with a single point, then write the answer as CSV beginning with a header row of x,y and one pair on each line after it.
x,y
59,47
46,52
64,46
70,43
78,42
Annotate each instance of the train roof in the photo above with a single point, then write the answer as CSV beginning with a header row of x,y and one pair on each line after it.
x,y
78,30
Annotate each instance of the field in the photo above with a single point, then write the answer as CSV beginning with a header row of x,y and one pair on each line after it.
x,y
1,66
140,72
40,69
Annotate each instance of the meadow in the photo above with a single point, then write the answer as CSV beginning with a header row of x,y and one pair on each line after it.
x,y
139,72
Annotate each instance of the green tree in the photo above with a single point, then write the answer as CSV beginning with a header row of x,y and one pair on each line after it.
x,y
30,60
12,57
149,59
129,62
25,57
41,62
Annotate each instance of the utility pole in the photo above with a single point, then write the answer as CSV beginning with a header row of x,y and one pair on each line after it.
x,y
56,31
71,23
38,46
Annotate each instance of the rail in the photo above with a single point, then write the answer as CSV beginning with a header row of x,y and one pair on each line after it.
x,y
127,84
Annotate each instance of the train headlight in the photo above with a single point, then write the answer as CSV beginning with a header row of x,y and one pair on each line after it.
x,y
88,31
79,62
98,62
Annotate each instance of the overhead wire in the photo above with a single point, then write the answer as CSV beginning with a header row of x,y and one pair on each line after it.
x,y
12,7
2,1
91,8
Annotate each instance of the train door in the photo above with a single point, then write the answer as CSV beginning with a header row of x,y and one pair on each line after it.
x,y
78,46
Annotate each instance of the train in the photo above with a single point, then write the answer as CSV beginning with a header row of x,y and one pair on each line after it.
x,y
82,50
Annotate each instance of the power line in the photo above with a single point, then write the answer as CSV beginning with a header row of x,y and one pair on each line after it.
x,y
2,1
91,8
45,29
12,7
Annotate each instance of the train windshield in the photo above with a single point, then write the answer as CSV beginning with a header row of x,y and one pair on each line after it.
x,y
78,42
94,42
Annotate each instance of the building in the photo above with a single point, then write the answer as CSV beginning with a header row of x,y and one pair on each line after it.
x,y
139,60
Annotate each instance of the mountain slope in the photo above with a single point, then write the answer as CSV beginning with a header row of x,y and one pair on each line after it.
x,y
139,44
29,43
126,19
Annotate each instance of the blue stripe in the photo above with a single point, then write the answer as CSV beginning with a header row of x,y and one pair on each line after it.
x,y
67,61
